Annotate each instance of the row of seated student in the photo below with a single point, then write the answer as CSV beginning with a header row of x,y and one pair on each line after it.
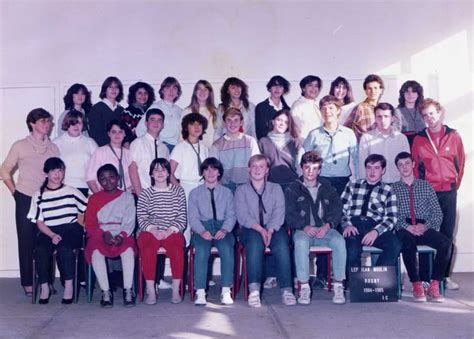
x,y
282,146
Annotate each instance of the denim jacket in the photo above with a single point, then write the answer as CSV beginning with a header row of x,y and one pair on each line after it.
x,y
299,205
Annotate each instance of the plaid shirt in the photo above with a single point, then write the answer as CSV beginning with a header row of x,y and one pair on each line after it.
x,y
426,204
361,119
382,204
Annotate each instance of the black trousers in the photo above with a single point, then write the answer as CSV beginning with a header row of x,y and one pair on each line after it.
x,y
26,234
72,235
448,203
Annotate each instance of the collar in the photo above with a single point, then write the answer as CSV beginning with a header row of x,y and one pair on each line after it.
x,y
151,138
277,108
241,135
109,104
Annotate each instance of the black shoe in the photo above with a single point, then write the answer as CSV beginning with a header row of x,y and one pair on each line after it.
x,y
107,300
66,301
45,301
128,298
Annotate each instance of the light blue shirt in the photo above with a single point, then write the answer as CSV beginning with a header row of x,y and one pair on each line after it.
x,y
336,148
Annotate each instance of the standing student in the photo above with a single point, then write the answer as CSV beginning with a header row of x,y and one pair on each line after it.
x,y
438,152
336,144
57,209
384,139
28,156
260,210
342,90
140,97
234,149
313,211
419,220
110,221
369,214
105,110
212,219
113,153
409,101
170,92
362,117
75,149
161,213
145,149
188,155
265,111
202,102
305,109
234,93
78,98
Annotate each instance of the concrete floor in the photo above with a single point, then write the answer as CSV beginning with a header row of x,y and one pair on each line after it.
x,y
322,319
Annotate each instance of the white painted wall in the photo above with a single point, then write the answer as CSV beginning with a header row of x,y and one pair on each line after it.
x,y
48,45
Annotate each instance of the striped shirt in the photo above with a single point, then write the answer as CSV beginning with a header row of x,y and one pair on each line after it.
x,y
57,207
382,206
426,204
162,209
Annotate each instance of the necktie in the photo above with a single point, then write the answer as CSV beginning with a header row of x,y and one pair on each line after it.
x,y
213,204
120,169
198,152
156,148
261,206
411,200
365,205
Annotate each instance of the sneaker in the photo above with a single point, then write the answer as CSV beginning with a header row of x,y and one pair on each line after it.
x,y
150,298
338,294
200,298
128,298
270,282
226,298
433,292
418,292
288,298
254,299
107,299
304,296
451,284
164,285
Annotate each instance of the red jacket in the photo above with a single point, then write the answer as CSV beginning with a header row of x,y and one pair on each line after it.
x,y
443,168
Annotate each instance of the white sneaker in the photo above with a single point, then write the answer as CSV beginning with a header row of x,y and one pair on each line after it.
x,y
200,298
164,285
451,284
338,294
226,298
304,297
288,298
270,282
254,299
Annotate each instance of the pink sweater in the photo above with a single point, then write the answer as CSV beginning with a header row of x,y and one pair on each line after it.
x,y
28,155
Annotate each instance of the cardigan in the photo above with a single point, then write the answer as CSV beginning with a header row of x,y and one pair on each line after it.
x,y
97,120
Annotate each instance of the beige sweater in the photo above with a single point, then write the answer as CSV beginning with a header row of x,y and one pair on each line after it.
x,y
28,155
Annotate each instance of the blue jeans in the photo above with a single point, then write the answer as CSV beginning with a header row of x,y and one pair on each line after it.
x,y
387,242
225,246
254,250
333,239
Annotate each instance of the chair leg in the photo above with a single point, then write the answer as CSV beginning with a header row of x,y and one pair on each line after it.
x,y
89,283
75,281
34,284
191,273
244,272
236,286
329,265
399,278
140,278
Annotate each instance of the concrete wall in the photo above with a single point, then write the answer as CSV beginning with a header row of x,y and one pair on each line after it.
x,y
48,45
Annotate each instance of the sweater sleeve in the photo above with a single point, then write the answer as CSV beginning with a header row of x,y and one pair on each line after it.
x,y
128,220
180,222
92,223
10,162
144,222
96,126
277,215
193,213
460,159
346,205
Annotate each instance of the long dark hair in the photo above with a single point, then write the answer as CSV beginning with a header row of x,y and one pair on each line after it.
x,y
225,96
49,165
74,89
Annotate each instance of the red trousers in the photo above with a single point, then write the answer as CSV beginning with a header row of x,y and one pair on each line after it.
x,y
174,246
